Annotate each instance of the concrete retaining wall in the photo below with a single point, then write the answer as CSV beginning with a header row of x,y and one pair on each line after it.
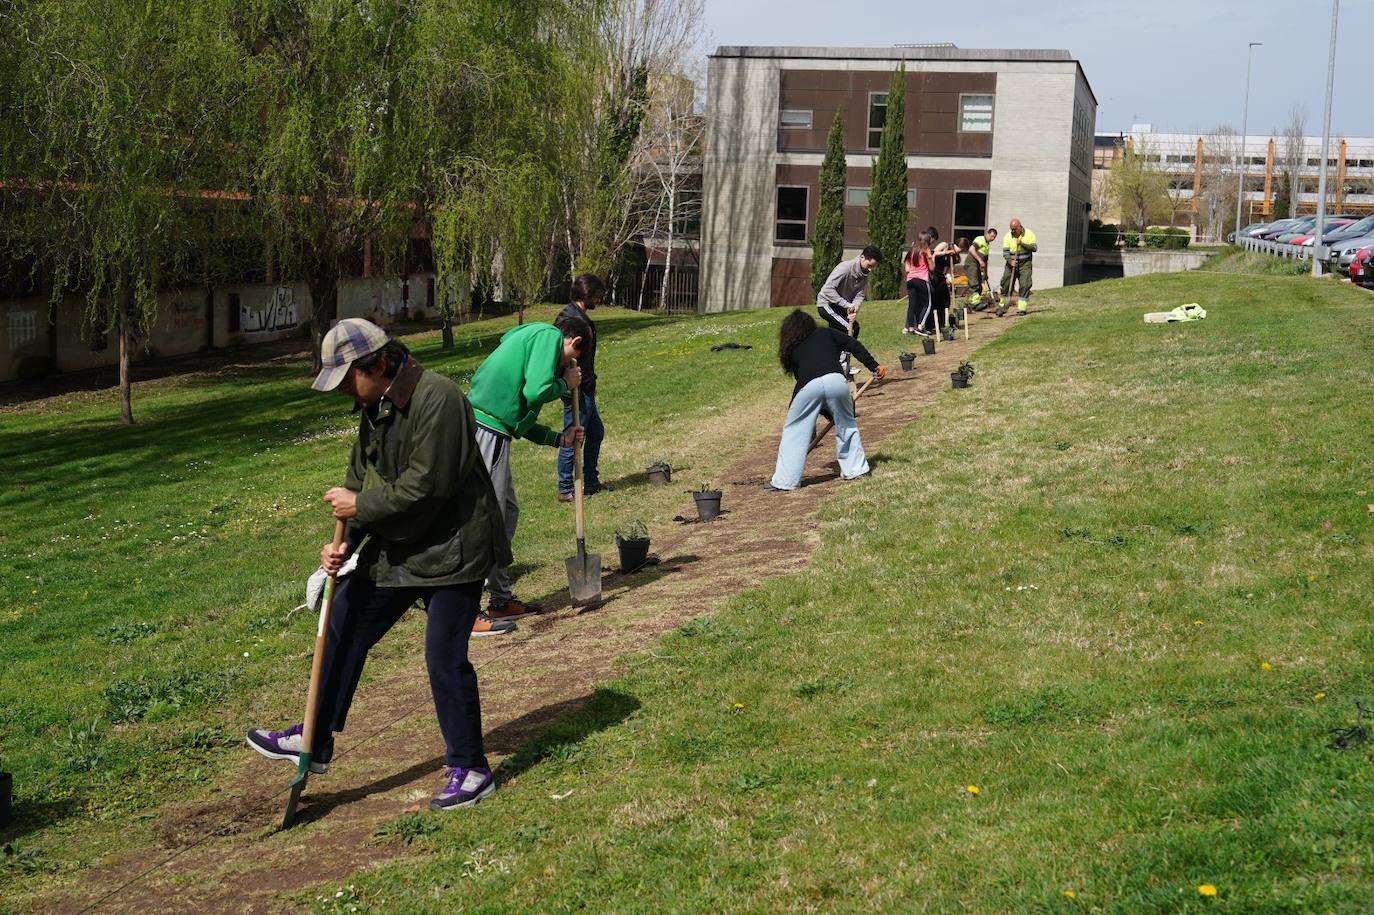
x,y
1140,263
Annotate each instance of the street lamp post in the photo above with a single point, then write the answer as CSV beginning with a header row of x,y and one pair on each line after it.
x,y
1326,143
1244,126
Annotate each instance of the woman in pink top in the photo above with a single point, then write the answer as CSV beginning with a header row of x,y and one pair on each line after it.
x,y
917,264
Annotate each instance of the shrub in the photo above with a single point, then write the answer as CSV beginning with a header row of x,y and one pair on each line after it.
x,y
1103,235
1166,237
1130,238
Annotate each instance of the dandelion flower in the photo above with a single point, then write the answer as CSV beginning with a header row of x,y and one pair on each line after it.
x,y
1206,889
1069,894
973,789
1311,578
739,705
1197,622
1319,697
1265,665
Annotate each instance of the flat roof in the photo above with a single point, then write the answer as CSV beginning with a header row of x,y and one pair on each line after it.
x,y
907,52
897,52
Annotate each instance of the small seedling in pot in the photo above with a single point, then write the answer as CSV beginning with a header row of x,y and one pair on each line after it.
x,y
960,376
906,359
966,369
633,544
660,472
708,501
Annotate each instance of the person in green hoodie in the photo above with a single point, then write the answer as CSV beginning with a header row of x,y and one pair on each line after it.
x,y
534,364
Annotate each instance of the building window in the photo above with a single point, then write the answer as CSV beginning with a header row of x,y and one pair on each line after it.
x,y
858,197
795,118
970,213
975,113
791,214
877,117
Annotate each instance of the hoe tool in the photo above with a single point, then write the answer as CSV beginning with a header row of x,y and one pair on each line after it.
x,y
584,569
312,697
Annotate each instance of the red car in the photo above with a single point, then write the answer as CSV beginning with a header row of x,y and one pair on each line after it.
x,y
1362,267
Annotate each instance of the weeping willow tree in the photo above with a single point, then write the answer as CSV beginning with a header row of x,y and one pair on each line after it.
x,y
123,108
378,117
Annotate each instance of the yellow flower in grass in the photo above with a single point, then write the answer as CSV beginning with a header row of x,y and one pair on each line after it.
x,y
1265,665
1206,889
1197,622
1319,697
973,789
738,706
1068,894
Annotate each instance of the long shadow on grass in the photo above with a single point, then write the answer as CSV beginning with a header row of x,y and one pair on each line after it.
x,y
561,728
31,815
614,585
316,806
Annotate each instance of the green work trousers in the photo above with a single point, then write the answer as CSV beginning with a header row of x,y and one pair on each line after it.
x,y
1022,272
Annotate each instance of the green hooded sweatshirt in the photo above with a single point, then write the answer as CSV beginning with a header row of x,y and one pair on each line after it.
x,y
516,380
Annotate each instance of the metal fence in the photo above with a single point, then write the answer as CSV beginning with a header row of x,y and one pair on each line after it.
x,y
643,289
1298,252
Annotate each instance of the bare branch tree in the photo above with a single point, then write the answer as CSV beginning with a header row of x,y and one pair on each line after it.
x,y
1216,203
1293,154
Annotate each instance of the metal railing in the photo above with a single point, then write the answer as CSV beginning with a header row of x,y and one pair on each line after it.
x,y
1297,252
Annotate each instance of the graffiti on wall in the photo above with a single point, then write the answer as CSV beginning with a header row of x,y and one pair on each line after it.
x,y
23,329
276,314
187,315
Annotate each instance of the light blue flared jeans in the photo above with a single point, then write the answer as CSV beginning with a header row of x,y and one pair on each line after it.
x,y
832,392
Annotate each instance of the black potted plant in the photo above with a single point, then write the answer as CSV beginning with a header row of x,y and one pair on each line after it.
x,y
947,334
960,376
708,501
907,360
660,473
928,344
633,544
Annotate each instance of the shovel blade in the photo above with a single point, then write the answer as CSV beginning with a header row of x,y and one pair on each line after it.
x,y
297,786
584,577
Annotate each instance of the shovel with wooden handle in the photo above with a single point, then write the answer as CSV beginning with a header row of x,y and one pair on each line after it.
x,y
584,569
313,695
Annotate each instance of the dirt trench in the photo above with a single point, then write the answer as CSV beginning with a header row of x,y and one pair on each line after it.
x,y
224,854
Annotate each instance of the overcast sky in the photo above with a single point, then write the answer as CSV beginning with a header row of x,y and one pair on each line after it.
x,y
1176,64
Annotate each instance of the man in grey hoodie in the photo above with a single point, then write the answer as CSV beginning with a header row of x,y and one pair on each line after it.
x,y
843,293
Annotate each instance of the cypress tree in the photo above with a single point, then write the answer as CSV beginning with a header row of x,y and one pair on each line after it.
x,y
1283,199
887,199
827,248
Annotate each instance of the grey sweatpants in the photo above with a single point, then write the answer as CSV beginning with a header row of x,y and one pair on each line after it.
x,y
495,450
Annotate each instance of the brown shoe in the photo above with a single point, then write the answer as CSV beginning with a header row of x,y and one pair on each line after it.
x,y
485,625
512,609
565,497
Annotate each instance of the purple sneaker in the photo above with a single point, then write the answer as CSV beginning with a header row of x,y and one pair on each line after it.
x,y
282,745
464,788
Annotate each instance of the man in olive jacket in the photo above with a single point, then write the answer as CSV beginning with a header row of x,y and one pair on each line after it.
x,y
420,510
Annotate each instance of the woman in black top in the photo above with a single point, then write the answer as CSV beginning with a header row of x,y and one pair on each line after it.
x,y
811,354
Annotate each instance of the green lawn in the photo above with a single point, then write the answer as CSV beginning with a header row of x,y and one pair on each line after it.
x,y
1062,589
146,573
1120,586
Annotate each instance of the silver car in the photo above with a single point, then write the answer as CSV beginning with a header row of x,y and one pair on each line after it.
x,y
1343,252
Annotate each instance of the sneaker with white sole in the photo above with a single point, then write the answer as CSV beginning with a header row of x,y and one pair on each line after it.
x,y
485,625
283,745
463,788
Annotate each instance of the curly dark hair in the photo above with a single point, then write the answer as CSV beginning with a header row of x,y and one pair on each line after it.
x,y
796,327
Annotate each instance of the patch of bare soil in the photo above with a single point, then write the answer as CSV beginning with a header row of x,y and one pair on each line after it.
x,y
225,854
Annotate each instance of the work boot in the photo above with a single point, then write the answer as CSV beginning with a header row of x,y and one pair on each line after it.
x,y
592,489
463,788
512,609
565,496
284,745
484,626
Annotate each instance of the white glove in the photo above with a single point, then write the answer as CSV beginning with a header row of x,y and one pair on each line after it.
x,y
314,587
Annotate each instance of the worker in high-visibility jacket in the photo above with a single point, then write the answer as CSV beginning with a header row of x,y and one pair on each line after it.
x,y
976,268
1018,248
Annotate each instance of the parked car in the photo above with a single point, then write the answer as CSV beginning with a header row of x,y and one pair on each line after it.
x,y
1286,236
1357,229
1334,224
1247,231
1362,268
1275,229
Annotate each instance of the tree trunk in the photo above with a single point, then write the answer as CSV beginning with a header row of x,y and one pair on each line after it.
x,y
126,393
324,303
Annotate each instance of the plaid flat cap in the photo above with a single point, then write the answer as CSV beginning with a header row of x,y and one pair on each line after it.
x,y
350,339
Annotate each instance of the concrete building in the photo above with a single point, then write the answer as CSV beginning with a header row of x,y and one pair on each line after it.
x,y
990,135
1202,175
